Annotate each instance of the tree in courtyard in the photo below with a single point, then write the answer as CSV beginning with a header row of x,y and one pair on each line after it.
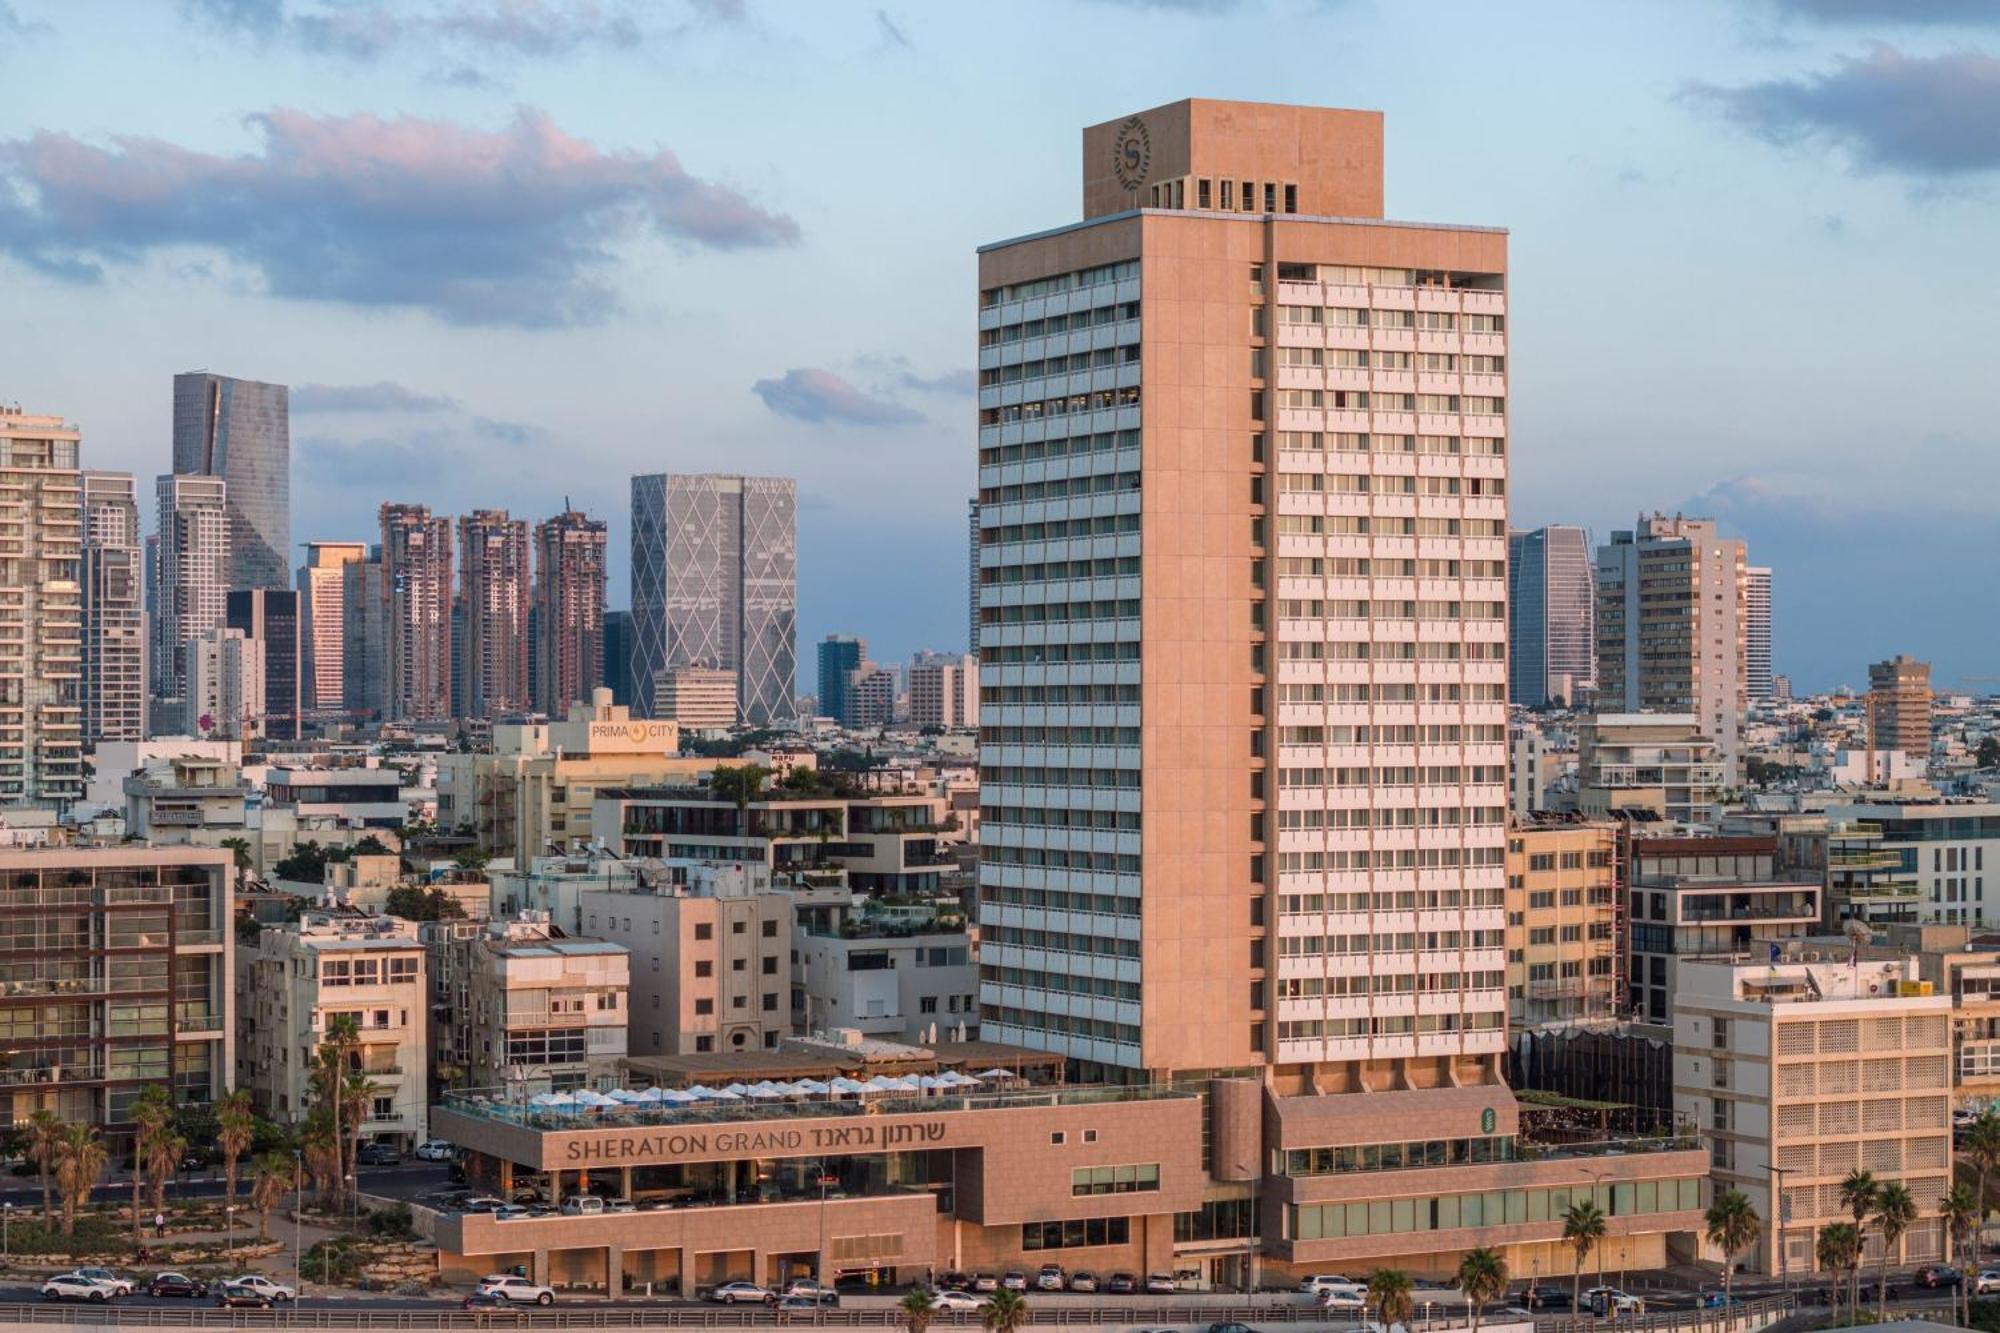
x,y
1732,1227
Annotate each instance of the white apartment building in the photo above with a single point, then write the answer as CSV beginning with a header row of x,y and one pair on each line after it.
x,y
1946,847
883,981
187,799
294,980
710,944
225,684
1662,762
191,576
944,690
114,613
1802,1070
700,698
41,610
519,1007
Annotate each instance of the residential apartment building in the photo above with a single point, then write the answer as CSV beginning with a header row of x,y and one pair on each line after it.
x,y
1758,683
1672,627
240,432
714,583
294,980
1941,846
1708,897
1243,459
1803,1070
322,588
495,590
710,945
225,685
871,696
840,657
1659,763
1552,617
944,690
365,676
1563,915
1899,706
41,611
569,610
417,600
1955,962
191,595
902,976
187,799
269,617
698,698
117,977
114,614
972,576
520,1007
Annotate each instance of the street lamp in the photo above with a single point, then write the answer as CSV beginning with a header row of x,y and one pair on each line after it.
x,y
229,1223
6,1216
1780,1215
353,1197
298,1206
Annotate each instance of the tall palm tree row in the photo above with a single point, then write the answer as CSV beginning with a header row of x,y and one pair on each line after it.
x,y
45,1140
235,1131
1895,1210
1838,1249
1732,1227
1583,1228
80,1160
1960,1210
1857,1194
152,1116
271,1178
1482,1276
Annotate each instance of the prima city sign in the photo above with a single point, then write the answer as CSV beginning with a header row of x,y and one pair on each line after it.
x,y
664,1145
637,736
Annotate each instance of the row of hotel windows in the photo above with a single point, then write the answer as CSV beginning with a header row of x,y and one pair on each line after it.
x,y
1391,941
1388,1025
1109,313
1101,358
1388,775
1060,941
1059,694
1494,1208
1310,608
1059,735
1096,1028
1398,900
1362,525
1390,692
1395,1156
1386,483
1378,400
1136,1179
1029,452
1042,817
1103,988
1061,282
1054,571
1364,442
1061,489
1362,317
1099,400
1037,613
1036,654
1398,983
368,971
1375,358
1059,777
1104,525
1395,858
1078,1235
1444,734
1103,862
1061,900
1376,567
1224,195
1380,650
1356,276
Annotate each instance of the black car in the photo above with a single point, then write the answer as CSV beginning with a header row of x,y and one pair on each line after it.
x,y
176,1284
488,1303
1546,1298
1230,1328
1939,1275
1121,1284
231,1295
955,1282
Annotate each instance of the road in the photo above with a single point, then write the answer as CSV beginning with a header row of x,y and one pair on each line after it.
x,y
407,1180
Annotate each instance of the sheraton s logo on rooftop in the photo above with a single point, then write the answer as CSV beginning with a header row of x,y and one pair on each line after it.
x,y
1132,153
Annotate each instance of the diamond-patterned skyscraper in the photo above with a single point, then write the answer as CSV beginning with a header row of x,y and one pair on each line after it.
x,y
714,583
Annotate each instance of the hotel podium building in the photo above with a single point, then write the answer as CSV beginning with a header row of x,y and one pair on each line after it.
x,y
1242,598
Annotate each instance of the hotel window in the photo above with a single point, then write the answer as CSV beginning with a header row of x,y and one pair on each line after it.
x,y
1114,1179
1228,196
1249,197
1291,198
1270,197
1201,193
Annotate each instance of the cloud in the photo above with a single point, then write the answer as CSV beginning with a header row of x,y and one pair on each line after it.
x,y
1919,115
824,397
727,10
892,32
13,25
1179,6
538,27
893,373
1891,11
511,227
365,32
381,396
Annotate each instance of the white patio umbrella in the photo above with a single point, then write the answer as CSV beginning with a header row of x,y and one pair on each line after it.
x,y
811,1087
1000,1074
678,1096
738,1088
845,1086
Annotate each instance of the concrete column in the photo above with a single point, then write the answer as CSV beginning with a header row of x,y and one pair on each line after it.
x,y
624,1182
507,1180
555,1188
614,1270
542,1267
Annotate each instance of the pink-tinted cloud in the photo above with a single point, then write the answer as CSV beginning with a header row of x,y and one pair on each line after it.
x,y
821,396
513,226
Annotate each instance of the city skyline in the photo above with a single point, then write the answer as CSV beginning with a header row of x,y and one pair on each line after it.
x,y
869,408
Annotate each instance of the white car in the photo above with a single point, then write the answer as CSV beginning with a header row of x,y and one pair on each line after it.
x,y
739,1293
950,1302
1341,1298
263,1286
516,1290
1312,1286
435,1150
1612,1301
77,1287
1987,1281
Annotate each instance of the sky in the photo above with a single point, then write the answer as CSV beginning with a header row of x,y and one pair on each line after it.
x,y
509,252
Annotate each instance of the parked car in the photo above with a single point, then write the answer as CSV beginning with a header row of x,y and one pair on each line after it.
x,y
620,1206
123,1284
1083,1280
739,1293
1312,1286
1230,1328
378,1154
949,1302
1611,1301
489,1304
482,1203
1013,1280
810,1289
77,1287
1049,1278
985,1282
176,1284
1341,1298
517,1289
1939,1275
513,1212
1987,1282
954,1281
1159,1284
275,1291
582,1205
1546,1297
1121,1284
229,1294
434,1150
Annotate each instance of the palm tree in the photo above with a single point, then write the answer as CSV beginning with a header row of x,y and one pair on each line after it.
x,y
235,1131
163,1156
1857,1194
1005,1313
79,1161
152,1117
45,1135
241,848
1583,1227
321,1151
330,1065
1894,1211
739,784
270,1179
1982,1146
1393,1294
357,1099
1482,1276
915,1307
1733,1226
1838,1250
1960,1211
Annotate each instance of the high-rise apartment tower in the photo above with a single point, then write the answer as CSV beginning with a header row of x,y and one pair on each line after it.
x,y
494,590
322,631
569,610
269,618
114,614
1757,683
240,430
1899,706
416,588
41,610
191,594
1552,610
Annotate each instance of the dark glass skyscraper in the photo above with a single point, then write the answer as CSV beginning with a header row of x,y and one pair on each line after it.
x,y
1552,606
840,655
271,616
240,430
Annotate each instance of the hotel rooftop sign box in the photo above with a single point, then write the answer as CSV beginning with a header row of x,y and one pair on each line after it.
x,y
633,736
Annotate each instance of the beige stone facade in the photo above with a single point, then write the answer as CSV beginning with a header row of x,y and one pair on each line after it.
x,y
519,1006
1562,923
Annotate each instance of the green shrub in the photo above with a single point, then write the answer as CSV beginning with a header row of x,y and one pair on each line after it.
x,y
394,1222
